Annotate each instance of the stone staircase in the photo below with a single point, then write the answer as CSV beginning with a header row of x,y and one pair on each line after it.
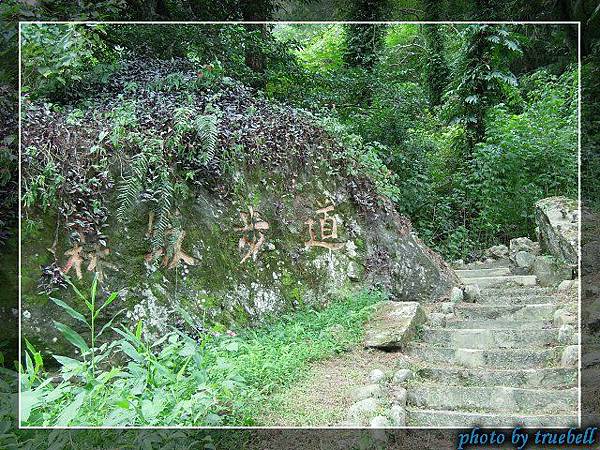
x,y
495,362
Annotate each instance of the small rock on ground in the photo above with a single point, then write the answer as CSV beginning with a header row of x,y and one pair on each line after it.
x,y
456,295
399,395
472,293
402,375
398,416
376,375
363,409
380,422
570,356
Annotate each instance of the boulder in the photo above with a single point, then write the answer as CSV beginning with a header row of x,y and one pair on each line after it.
x,y
557,225
570,356
567,334
550,271
362,410
563,316
393,324
472,293
571,286
399,396
376,375
524,244
524,259
401,376
456,295
367,391
496,252
398,416
380,422
437,319
283,223
447,308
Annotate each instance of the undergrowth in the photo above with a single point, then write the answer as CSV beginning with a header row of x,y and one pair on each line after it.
x,y
213,380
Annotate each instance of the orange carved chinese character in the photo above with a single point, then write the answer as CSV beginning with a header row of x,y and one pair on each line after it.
x,y
328,229
253,237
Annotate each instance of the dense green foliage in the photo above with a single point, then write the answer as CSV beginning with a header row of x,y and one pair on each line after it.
x,y
441,132
462,139
179,380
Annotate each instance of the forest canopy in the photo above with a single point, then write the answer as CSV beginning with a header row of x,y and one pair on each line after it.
x,y
474,123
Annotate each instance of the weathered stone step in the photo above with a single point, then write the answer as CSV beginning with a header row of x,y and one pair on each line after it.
x,y
523,378
477,273
512,291
433,418
490,264
481,338
533,312
522,280
497,359
494,324
493,399
523,298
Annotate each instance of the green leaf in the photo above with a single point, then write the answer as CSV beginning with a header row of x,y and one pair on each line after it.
x,y
94,288
72,336
74,314
27,401
138,330
109,323
111,298
130,351
70,412
66,362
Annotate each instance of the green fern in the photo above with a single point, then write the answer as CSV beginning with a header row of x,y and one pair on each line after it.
x,y
132,186
151,178
162,209
206,127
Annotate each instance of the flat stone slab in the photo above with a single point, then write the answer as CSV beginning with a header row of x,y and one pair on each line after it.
x,y
460,419
495,359
524,378
517,290
516,299
477,273
497,324
393,324
542,311
494,399
481,338
522,280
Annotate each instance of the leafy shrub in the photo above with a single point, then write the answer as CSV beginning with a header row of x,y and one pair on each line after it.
x,y
178,380
526,157
56,56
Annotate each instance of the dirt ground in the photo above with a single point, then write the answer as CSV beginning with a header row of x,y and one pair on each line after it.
x,y
322,398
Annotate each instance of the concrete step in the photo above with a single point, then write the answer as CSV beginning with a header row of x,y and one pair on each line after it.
x,y
523,378
535,312
508,280
492,264
481,338
515,291
497,359
493,399
523,298
477,273
459,419
494,324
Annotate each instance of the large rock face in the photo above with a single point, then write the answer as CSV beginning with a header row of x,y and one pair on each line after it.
x,y
557,220
281,225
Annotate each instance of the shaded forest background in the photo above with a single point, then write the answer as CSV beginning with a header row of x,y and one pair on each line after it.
x,y
475,123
